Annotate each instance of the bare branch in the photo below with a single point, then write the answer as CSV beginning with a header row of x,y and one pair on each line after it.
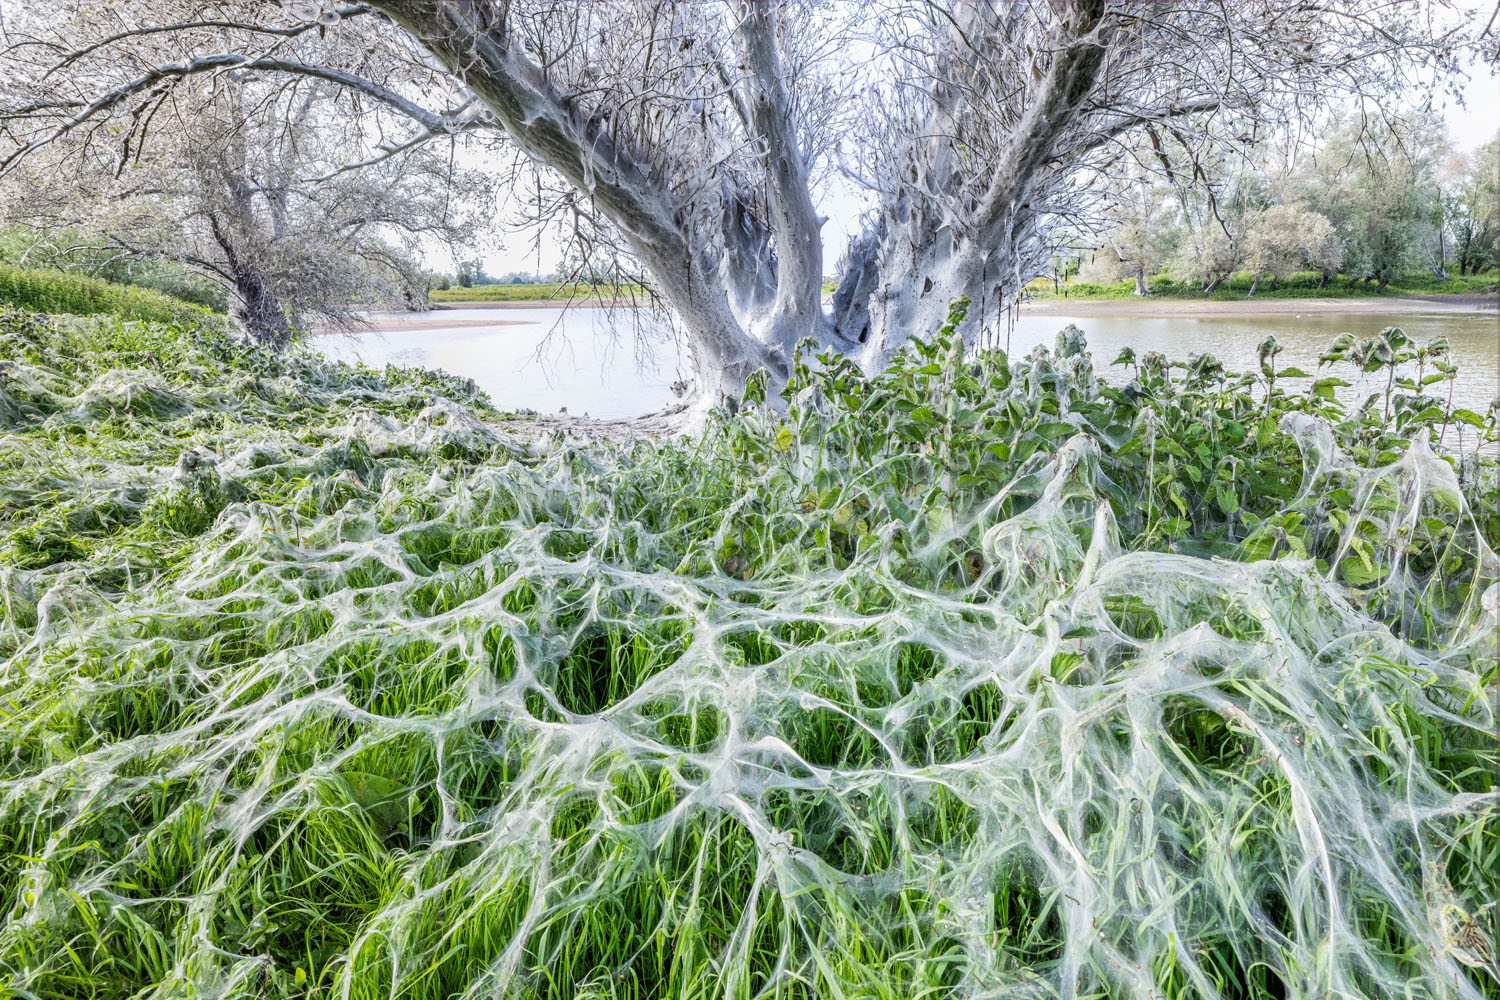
x,y
291,32
208,64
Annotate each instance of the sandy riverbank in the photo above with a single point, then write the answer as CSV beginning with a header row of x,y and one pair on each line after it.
x,y
1208,309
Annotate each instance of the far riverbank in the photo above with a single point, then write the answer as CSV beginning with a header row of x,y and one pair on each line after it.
x,y
1217,308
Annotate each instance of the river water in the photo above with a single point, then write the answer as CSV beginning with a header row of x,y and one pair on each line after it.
x,y
620,364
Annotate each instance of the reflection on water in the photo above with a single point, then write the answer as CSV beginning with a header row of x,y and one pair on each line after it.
x,y
621,365
617,363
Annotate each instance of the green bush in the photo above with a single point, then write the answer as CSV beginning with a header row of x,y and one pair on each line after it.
x,y
1163,284
81,252
1089,288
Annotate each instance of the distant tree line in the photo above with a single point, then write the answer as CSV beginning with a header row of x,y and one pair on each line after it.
x,y
1374,202
471,274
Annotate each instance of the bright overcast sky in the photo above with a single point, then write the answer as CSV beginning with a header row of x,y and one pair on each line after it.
x,y
1477,122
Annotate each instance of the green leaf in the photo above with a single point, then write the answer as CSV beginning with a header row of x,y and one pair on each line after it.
x,y
1468,417
1358,573
1207,549
383,798
1323,387
1055,429
1258,546
1228,502
1293,372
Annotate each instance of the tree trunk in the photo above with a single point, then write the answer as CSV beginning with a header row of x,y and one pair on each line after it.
x,y
917,258
254,304
1254,284
742,308
1322,281
258,312
1212,284
1140,282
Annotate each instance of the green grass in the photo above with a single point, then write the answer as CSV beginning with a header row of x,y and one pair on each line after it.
x,y
49,291
974,677
1297,286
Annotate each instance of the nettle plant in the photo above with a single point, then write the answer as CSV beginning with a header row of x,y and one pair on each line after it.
x,y
1195,458
1414,409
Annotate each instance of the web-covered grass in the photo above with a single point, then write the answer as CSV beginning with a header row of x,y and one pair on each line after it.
x,y
972,680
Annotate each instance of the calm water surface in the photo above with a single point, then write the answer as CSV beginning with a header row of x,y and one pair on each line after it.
x,y
620,364
604,363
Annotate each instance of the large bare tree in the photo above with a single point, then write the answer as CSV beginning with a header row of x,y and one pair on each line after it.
x,y
243,179
687,139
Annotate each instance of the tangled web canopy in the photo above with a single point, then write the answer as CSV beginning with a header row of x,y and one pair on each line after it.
x,y
949,682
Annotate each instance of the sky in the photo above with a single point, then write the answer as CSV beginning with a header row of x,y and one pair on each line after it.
x,y
1470,125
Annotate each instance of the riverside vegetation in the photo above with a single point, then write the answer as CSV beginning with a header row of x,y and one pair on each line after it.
x,y
48,290
976,677
1299,285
